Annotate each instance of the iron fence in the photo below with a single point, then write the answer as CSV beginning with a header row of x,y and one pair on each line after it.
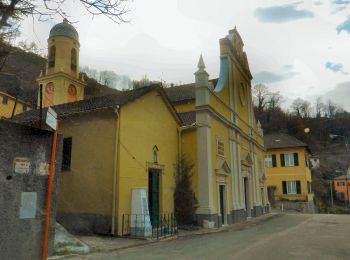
x,y
143,226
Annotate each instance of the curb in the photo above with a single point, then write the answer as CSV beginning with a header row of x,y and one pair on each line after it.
x,y
237,226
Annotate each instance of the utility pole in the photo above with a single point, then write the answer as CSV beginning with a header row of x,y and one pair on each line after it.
x,y
347,188
331,187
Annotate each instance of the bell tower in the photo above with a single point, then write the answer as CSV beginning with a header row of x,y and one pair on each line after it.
x,y
61,82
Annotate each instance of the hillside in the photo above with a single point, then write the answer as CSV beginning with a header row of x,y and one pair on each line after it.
x,y
18,77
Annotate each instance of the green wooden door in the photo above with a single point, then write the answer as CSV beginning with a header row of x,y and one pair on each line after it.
x,y
153,196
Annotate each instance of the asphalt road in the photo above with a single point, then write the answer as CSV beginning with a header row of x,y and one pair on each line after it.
x,y
291,236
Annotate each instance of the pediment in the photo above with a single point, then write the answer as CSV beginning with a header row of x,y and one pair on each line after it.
x,y
222,167
247,160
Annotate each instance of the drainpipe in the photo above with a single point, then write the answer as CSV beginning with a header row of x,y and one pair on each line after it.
x,y
115,170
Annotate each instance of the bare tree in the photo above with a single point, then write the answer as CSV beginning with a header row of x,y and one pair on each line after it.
x,y
17,9
13,11
332,109
274,100
301,107
319,107
260,94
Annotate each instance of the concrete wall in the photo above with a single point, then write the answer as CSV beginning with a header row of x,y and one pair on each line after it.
x,y
21,231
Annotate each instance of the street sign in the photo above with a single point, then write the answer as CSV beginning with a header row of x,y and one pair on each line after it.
x,y
22,165
51,118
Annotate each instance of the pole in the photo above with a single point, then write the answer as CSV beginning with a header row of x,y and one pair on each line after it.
x,y
347,188
14,107
49,193
331,186
41,102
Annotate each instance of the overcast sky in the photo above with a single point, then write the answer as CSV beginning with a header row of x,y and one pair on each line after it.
x,y
300,48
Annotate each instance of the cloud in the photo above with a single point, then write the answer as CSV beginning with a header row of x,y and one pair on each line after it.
x,y
335,67
345,26
281,13
339,95
341,2
340,5
266,77
318,3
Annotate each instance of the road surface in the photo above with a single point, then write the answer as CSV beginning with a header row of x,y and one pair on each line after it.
x,y
290,236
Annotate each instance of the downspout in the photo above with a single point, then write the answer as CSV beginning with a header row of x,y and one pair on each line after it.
x,y
115,170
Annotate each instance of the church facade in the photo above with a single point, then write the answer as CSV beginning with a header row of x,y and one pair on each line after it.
x,y
223,138
118,143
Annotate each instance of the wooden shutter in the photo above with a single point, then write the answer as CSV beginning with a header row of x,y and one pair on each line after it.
x,y
66,153
274,163
284,187
298,187
296,159
282,160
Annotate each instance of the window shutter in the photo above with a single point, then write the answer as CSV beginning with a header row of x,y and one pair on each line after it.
x,y
298,187
296,159
282,159
284,187
274,164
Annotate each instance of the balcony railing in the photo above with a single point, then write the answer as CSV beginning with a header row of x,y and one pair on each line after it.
x,y
142,226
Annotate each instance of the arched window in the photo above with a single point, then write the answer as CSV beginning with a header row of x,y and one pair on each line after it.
x,y
52,56
72,93
49,94
73,59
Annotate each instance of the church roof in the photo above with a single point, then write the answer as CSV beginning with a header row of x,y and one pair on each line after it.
x,y
64,29
187,118
183,93
180,94
280,140
87,105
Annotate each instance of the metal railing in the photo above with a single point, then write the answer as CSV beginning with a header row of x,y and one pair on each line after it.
x,y
142,226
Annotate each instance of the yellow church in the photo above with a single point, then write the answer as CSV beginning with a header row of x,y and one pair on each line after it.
x,y
119,150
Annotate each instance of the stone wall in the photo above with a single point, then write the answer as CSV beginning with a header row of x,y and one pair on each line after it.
x,y
24,159
300,206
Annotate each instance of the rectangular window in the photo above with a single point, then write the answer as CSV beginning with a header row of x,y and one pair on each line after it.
x,y
5,100
67,153
270,161
220,147
291,187
290,159
341,183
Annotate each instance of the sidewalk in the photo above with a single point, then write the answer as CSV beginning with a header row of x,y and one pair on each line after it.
x,y
109,244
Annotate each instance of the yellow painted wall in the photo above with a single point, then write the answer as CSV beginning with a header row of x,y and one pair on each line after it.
x,y
7,109
144,123
61,83
63,45
87,187
220,102
189,149
61,75
219,130
276,175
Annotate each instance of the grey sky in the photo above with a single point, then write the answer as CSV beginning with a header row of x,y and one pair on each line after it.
x,y
288,43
